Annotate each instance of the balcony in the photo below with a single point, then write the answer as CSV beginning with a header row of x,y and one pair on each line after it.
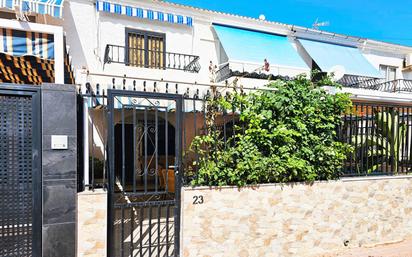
x,y
397,85
152,59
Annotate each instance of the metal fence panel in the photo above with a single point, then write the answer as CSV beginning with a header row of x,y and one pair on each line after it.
x,y
20,173
380,134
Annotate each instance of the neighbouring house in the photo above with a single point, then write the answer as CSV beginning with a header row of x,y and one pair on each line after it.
x,y
124,87
32,48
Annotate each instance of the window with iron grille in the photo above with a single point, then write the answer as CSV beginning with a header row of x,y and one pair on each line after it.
x,y
145,49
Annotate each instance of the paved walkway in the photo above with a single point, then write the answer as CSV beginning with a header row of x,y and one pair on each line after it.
x,y
402,249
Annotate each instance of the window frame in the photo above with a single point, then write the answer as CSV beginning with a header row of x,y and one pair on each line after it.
x,y
145,34
387,68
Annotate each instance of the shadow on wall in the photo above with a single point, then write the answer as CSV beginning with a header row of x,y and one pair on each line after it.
x,y
179,38
73,39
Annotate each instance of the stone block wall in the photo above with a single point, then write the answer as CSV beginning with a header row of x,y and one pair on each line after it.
x,y
295,219
92,223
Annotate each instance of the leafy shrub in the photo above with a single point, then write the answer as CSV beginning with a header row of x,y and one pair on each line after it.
x,y
287,134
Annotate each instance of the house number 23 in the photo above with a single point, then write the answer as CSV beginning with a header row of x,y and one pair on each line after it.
x,y
198,199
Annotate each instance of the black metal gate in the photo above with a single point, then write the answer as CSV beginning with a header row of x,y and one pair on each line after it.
x,y
20,171
144,180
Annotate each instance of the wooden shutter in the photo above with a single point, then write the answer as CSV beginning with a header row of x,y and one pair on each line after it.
x,y
146,49
136,50
156,52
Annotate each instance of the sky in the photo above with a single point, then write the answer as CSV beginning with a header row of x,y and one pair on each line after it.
x,y
385,20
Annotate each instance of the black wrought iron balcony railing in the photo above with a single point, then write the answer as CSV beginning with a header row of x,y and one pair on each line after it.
x,y
359,82
153,59
223,73
397,85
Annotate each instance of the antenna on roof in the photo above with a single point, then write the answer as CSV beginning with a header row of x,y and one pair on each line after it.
x,y
316,25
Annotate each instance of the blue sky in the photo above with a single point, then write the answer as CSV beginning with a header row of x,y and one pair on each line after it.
x,y
386,20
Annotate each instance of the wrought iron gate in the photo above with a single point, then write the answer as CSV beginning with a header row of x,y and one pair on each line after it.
x,y
144,180
20,172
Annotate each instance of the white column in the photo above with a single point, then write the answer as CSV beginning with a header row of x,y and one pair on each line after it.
x,y
59,56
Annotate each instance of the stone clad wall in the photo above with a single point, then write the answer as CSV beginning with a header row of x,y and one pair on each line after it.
x,y
92,224
295,219
59,171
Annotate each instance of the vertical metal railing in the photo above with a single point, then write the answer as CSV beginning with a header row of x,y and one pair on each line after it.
x,y
380,134
358,128
397,85
92,137
93,141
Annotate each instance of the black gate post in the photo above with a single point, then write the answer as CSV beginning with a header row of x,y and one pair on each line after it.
x,y
111,176
179,172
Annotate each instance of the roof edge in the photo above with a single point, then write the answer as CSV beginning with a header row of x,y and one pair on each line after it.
x,y
296,29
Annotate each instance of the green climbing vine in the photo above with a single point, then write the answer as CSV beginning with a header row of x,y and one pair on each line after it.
x,y
285,134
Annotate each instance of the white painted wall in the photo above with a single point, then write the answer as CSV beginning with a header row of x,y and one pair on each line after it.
x,y
88,33
407,75
365,94
377,58
80,26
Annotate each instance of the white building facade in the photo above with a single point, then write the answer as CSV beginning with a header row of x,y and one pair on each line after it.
x,y
101,33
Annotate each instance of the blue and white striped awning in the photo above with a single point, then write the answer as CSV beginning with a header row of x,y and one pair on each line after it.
x,y
51,7
20,43
103,6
